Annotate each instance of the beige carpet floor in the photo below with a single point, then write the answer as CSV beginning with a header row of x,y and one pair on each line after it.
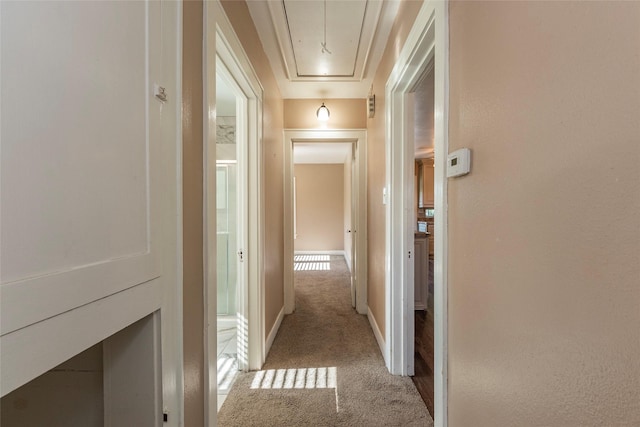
x,y
324,368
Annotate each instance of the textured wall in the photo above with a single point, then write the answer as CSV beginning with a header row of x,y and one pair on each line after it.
x,y
319,207
273,159
193,280
345,114
544,241
376,165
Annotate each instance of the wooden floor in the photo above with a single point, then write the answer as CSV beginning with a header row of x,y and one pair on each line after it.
x,y
423,377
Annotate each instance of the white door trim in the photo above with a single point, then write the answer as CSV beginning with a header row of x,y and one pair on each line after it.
x,y
359,228
222,44
427,40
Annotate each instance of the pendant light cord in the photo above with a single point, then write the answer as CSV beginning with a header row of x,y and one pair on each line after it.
x,y
324,44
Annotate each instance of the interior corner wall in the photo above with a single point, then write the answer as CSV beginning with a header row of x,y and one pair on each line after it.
x,y
376,163
319,207
272,159
192,190
71,394
544,240
346,113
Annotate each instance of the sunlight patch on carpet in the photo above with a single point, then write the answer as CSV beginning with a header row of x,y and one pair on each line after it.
x,y
301,378
311,263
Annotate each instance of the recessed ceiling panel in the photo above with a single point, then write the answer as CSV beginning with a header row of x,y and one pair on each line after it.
x,y
325,49
292,33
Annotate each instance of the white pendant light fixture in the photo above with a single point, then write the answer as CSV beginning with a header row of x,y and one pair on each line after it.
x,y
323,113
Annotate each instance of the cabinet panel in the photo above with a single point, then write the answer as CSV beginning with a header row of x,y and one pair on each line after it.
x,y
428,182
78,178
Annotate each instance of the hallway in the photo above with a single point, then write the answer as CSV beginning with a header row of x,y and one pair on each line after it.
x,y
324,368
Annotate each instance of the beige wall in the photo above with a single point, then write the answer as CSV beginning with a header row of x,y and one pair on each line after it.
x,y
345,113
71,394
544,241
320,207
273,159
376,163
193,281
192,110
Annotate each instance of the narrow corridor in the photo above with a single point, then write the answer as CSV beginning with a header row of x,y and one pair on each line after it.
x,y
324,368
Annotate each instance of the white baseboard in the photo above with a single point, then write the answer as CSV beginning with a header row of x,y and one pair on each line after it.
x,y
274,332
338,252
347,260
376,332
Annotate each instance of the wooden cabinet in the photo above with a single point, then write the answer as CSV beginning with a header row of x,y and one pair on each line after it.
x,y
427,183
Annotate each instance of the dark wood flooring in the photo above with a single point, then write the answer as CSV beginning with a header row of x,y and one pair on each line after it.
x,y
423,373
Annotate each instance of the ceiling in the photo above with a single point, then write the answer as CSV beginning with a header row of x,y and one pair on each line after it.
x,y
321,152
292,33
423,97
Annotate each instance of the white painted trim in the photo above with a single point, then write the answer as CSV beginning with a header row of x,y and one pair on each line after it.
x,y
209,205
359,228
274,330
376,330
133,351
232,54
337,252
171,313
347,260
222,44
74,331
427,40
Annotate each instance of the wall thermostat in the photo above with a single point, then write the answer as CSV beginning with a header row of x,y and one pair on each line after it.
x,y
459,163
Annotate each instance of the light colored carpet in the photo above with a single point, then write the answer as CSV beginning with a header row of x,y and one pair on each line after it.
x,y
324,332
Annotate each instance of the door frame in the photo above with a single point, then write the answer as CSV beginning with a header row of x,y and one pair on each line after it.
x,y
427,41
359,262
222,44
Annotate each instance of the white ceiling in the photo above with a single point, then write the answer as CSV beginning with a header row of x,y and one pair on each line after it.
x,y
423,97
321,152
291,32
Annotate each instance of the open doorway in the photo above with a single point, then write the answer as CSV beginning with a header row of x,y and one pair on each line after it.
x,y
322,211
230,278
351,236
422,103
425,48
231,205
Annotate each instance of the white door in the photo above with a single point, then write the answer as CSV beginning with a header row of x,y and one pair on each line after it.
x,y
351,188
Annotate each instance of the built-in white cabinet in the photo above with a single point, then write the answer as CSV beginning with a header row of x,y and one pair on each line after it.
x,y
89,184
421,272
